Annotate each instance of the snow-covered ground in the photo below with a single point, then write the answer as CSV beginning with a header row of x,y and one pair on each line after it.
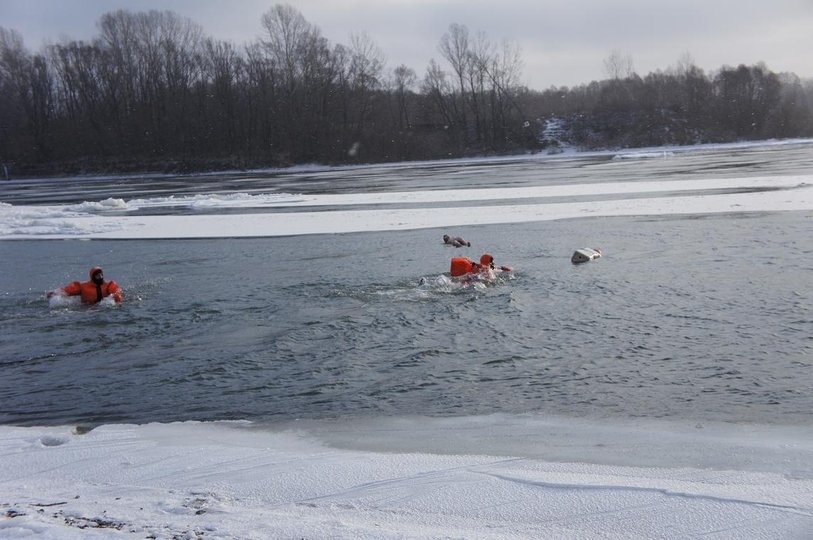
x,y
239,480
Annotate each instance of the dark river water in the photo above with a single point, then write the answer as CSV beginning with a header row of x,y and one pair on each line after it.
x,y
706,317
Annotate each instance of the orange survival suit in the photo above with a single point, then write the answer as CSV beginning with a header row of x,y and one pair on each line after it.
x,y
93,290
463,265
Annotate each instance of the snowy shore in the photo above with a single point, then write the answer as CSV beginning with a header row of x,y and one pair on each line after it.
x,y
239,480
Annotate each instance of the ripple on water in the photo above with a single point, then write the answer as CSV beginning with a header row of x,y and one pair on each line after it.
x,y
662,326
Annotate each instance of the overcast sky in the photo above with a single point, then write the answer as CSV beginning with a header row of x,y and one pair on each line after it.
x,y
563,42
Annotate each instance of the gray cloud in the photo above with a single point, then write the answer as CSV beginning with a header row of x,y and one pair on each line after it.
x,y
563,42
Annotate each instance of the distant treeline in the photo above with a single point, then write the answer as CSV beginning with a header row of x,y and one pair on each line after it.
x,y
152,92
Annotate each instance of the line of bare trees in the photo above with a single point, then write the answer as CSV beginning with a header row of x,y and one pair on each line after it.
x,y
682,105
151,91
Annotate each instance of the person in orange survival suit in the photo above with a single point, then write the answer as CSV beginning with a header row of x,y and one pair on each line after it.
x,y
91,291
463,266
486,268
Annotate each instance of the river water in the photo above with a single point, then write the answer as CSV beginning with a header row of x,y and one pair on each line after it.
x,y
704,317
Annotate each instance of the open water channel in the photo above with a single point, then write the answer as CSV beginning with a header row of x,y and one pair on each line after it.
x,y
706,317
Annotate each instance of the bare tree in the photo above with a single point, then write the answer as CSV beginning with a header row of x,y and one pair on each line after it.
x,y
29,81
154,66
619,65
222,70
403,81
438,90
14,92
747,96
505,71
302,59
366,66
80,95
454,47
685,64
288,35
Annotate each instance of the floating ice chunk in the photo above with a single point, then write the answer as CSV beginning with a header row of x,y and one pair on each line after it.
x,y
105,205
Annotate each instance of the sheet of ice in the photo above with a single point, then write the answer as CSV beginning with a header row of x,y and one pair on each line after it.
x,y
773,194
238,480
630,153
244,200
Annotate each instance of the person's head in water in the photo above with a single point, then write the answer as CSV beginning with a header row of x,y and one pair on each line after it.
x,y
96,275
446,238
486,259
